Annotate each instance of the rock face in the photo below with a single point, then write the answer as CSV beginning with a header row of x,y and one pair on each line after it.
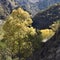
x,y
29,5
6,7
34,6
44,19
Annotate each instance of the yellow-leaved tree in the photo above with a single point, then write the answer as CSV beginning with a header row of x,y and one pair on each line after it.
x,y
17,29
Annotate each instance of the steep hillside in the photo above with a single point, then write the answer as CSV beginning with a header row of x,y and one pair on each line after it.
x,y
45,18
29,5
34,6
6,7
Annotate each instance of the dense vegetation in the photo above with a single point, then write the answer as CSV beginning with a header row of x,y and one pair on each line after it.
x,y
19,36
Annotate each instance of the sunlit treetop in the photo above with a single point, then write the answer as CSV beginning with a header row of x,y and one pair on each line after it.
x,y
18,24
20,13
18,29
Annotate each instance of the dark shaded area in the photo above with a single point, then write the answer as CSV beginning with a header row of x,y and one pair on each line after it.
x,y
44,19
49,50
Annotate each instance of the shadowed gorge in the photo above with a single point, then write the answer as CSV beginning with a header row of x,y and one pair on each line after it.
x,y
45,18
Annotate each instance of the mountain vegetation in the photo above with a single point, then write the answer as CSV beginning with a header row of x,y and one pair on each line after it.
x,y
19,36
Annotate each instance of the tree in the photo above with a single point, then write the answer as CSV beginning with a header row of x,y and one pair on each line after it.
x,y
17,29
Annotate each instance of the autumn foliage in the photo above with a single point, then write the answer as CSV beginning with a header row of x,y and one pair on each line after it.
x,y
17,31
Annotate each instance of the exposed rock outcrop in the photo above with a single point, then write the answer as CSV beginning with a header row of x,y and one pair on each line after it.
x,y
6,7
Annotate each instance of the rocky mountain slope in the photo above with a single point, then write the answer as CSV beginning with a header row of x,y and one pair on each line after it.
x,y
34,6
44,19
6,7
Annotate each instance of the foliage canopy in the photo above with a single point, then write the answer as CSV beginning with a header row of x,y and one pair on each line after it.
x,y
18,32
